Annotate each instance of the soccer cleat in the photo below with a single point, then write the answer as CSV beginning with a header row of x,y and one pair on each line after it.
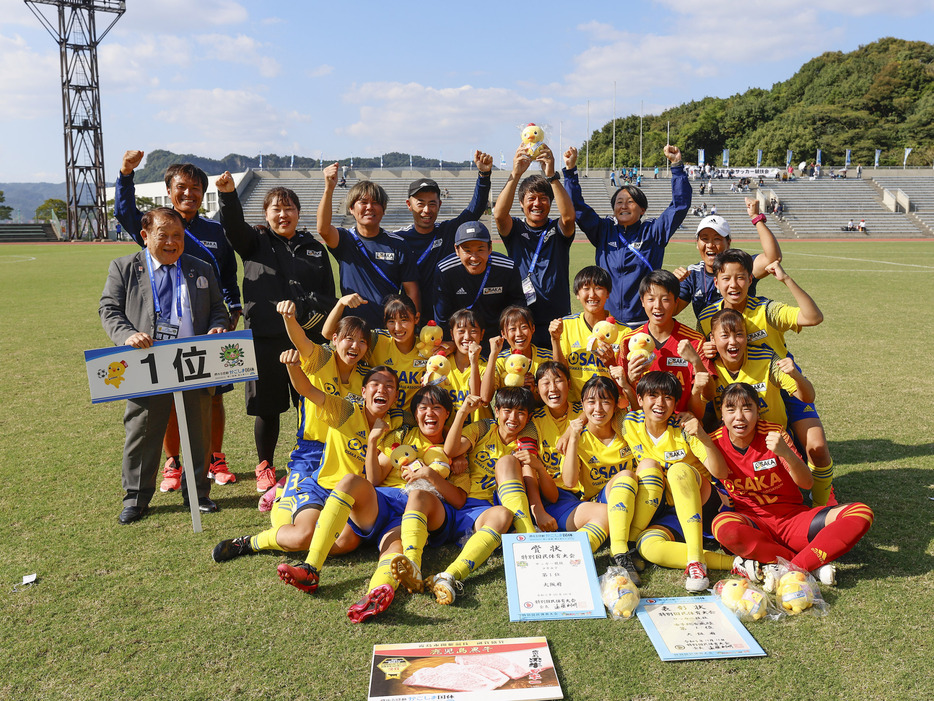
x,y
265,476
303,576
266,501
171,476
218,470
696,573
624,560
826,574
747,569
230,549
407,573
375,602
444,587
770,576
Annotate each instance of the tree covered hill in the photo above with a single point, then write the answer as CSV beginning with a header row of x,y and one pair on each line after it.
x,y
879,96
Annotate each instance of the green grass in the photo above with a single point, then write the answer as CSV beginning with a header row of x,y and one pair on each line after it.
x,y
143,611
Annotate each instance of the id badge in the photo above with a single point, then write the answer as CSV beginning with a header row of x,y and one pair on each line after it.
x,y
166,331
528,290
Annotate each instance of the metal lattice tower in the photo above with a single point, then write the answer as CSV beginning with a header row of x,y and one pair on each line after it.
x,y
75,30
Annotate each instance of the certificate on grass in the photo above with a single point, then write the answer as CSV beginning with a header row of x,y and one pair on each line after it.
x,y
695,628
551,576
461,670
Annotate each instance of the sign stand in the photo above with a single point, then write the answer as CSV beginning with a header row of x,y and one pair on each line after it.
x,y
188,465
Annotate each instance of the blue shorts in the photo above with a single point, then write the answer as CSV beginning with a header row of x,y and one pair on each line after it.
x,y
459,522
561,510
716,503
391,505
795,409
302,492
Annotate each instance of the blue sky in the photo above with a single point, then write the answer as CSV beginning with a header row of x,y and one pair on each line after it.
x,y
334,79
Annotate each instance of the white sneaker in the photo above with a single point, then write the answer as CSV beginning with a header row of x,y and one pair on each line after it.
x,y
696,573
826,574
747,569
444,587
770,576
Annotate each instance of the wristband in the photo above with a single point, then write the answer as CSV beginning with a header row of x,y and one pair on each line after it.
x,y
756,219
555,177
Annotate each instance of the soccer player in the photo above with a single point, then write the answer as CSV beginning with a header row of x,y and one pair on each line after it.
x,y
495,470
676,345
764,475
476,277
372,262
713,238
517,328
540,246
766,322
598,461
628,247
570,335
675,498
467,367
431,240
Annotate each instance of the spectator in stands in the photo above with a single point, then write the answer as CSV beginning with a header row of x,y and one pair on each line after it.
x,y
713,209
850,226
205,240
372,262
432,241
861,226
628,247
655,177
342,182
278,263
859,171
613,178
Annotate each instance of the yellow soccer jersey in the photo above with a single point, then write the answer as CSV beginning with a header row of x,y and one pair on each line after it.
x,y
459,387
582,363
320,367
345,443
486,448
599,462
410,435
766,322
549,431
408,366
674,446
539,356
761,371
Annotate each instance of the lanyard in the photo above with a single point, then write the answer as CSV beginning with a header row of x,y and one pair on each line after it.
x,y
431,246
366,255
178,287
634,250
482,284
538,250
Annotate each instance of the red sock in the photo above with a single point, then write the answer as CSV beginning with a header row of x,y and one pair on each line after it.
x,y
838,538
739,536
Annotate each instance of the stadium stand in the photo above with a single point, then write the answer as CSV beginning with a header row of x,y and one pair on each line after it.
x,y
919,188
26,233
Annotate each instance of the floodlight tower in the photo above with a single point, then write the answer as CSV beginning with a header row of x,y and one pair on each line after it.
x,y
75,30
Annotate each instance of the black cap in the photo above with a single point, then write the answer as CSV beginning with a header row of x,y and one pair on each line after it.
x,y
424,184
471,231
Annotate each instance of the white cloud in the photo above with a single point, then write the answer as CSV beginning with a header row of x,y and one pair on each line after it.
x,y
239,49
30,82
320,71
180,16
135,66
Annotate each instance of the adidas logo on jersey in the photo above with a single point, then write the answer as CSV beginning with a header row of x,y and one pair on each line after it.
x,y
362,434
619,508
461,291
593,460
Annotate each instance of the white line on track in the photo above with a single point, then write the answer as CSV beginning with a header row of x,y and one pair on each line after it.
x,y
16,259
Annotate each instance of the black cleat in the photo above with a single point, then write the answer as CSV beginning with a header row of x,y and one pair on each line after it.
x,y
229,549
624,560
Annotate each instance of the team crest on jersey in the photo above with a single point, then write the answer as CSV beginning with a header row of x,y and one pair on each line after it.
x,y
677,363
385,255
759,387
764,464
672,455
354,445
624,452
492,290
757,335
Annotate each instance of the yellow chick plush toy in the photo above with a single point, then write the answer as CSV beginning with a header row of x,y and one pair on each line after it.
x,y
403,455
794,592
533,136
437,369
641,345
605,331
741,599
517,365
621,596
429,339
435,457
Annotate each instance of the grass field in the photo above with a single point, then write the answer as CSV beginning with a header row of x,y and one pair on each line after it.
x,y
143,611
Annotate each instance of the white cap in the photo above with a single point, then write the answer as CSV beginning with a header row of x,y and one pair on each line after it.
x,y
715,222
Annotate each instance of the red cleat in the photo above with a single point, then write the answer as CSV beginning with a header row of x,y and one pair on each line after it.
x,y
375,602
303,576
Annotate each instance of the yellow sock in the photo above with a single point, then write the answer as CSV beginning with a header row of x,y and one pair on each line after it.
x,y
595,534
512,496
656,546
331,522
685,490
823,479
648,497
414,535
265,540
621,505
476,551
281,514
383,574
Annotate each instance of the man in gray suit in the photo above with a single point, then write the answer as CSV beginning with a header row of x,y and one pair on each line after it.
x,y
157,294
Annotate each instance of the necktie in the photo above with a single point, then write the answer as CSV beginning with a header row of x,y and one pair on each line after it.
x,y
165,291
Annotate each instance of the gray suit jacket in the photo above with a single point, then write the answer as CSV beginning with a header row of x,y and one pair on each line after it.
x,y
127,305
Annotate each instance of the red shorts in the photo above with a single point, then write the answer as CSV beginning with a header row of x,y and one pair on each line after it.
x,y
791,524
